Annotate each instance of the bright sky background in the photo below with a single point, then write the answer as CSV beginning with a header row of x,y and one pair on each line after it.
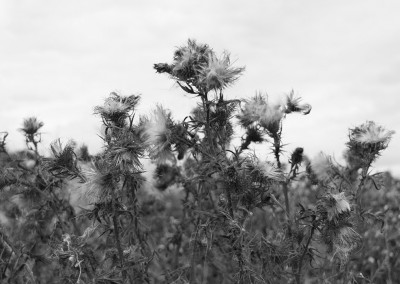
x,y
59,59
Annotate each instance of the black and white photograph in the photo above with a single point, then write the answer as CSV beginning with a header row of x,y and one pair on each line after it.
x,y
199,142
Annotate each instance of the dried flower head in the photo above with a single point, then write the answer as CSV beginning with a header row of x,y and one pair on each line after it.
x,y
218,73
259,111
31,126
116,108
65,162
336,205
366,142
371,134
157,135
293,105
100,183
321,166
125,151
188,60
264,169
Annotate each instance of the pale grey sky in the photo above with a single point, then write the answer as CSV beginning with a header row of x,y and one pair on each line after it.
x,y
59,59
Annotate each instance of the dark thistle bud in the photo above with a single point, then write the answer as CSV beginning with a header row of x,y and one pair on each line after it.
x,y
297,156
165,176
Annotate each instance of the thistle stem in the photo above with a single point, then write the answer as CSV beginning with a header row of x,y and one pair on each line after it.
x,y
116,235
298,275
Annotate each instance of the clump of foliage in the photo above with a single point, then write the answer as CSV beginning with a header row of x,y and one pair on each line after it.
x,y
217,212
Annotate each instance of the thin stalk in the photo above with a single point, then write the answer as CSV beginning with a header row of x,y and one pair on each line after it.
x,y
277,149
285,187
192,261
360,186
117,237
298,275
230,206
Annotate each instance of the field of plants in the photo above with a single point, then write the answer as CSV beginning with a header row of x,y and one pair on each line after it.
x,y
214,210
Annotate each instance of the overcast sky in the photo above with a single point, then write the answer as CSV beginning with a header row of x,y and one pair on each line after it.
x,y
59,59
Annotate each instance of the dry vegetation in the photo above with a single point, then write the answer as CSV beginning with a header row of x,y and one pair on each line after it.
x,y
232,216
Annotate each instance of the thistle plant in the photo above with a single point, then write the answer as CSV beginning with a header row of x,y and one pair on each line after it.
x,y
232,184
214,210
30,129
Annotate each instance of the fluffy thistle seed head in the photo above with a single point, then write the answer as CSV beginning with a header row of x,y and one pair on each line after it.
x,y
258,110
125,151
157,135
265,169
99,185
218,73
366,142
116,107
336,205
371,134
321,166
188,59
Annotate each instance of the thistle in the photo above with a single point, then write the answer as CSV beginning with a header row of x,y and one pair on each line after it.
x,y
157,135
116,108
218,73
187,62
100,183
321,166
370,134
31,126
335,206
367,141
293,105
265,169
258,111
65,162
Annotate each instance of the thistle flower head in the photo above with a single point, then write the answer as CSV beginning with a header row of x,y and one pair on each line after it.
x,y
157,135
100,183
264,169
297,156
293,105
188,59
367,141
125,151
258,110
371,134
321,166
31,126
65,162
116,108
336,205
218,73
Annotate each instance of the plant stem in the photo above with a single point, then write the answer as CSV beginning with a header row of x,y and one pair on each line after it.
x,y
298,275
277,148
116,235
